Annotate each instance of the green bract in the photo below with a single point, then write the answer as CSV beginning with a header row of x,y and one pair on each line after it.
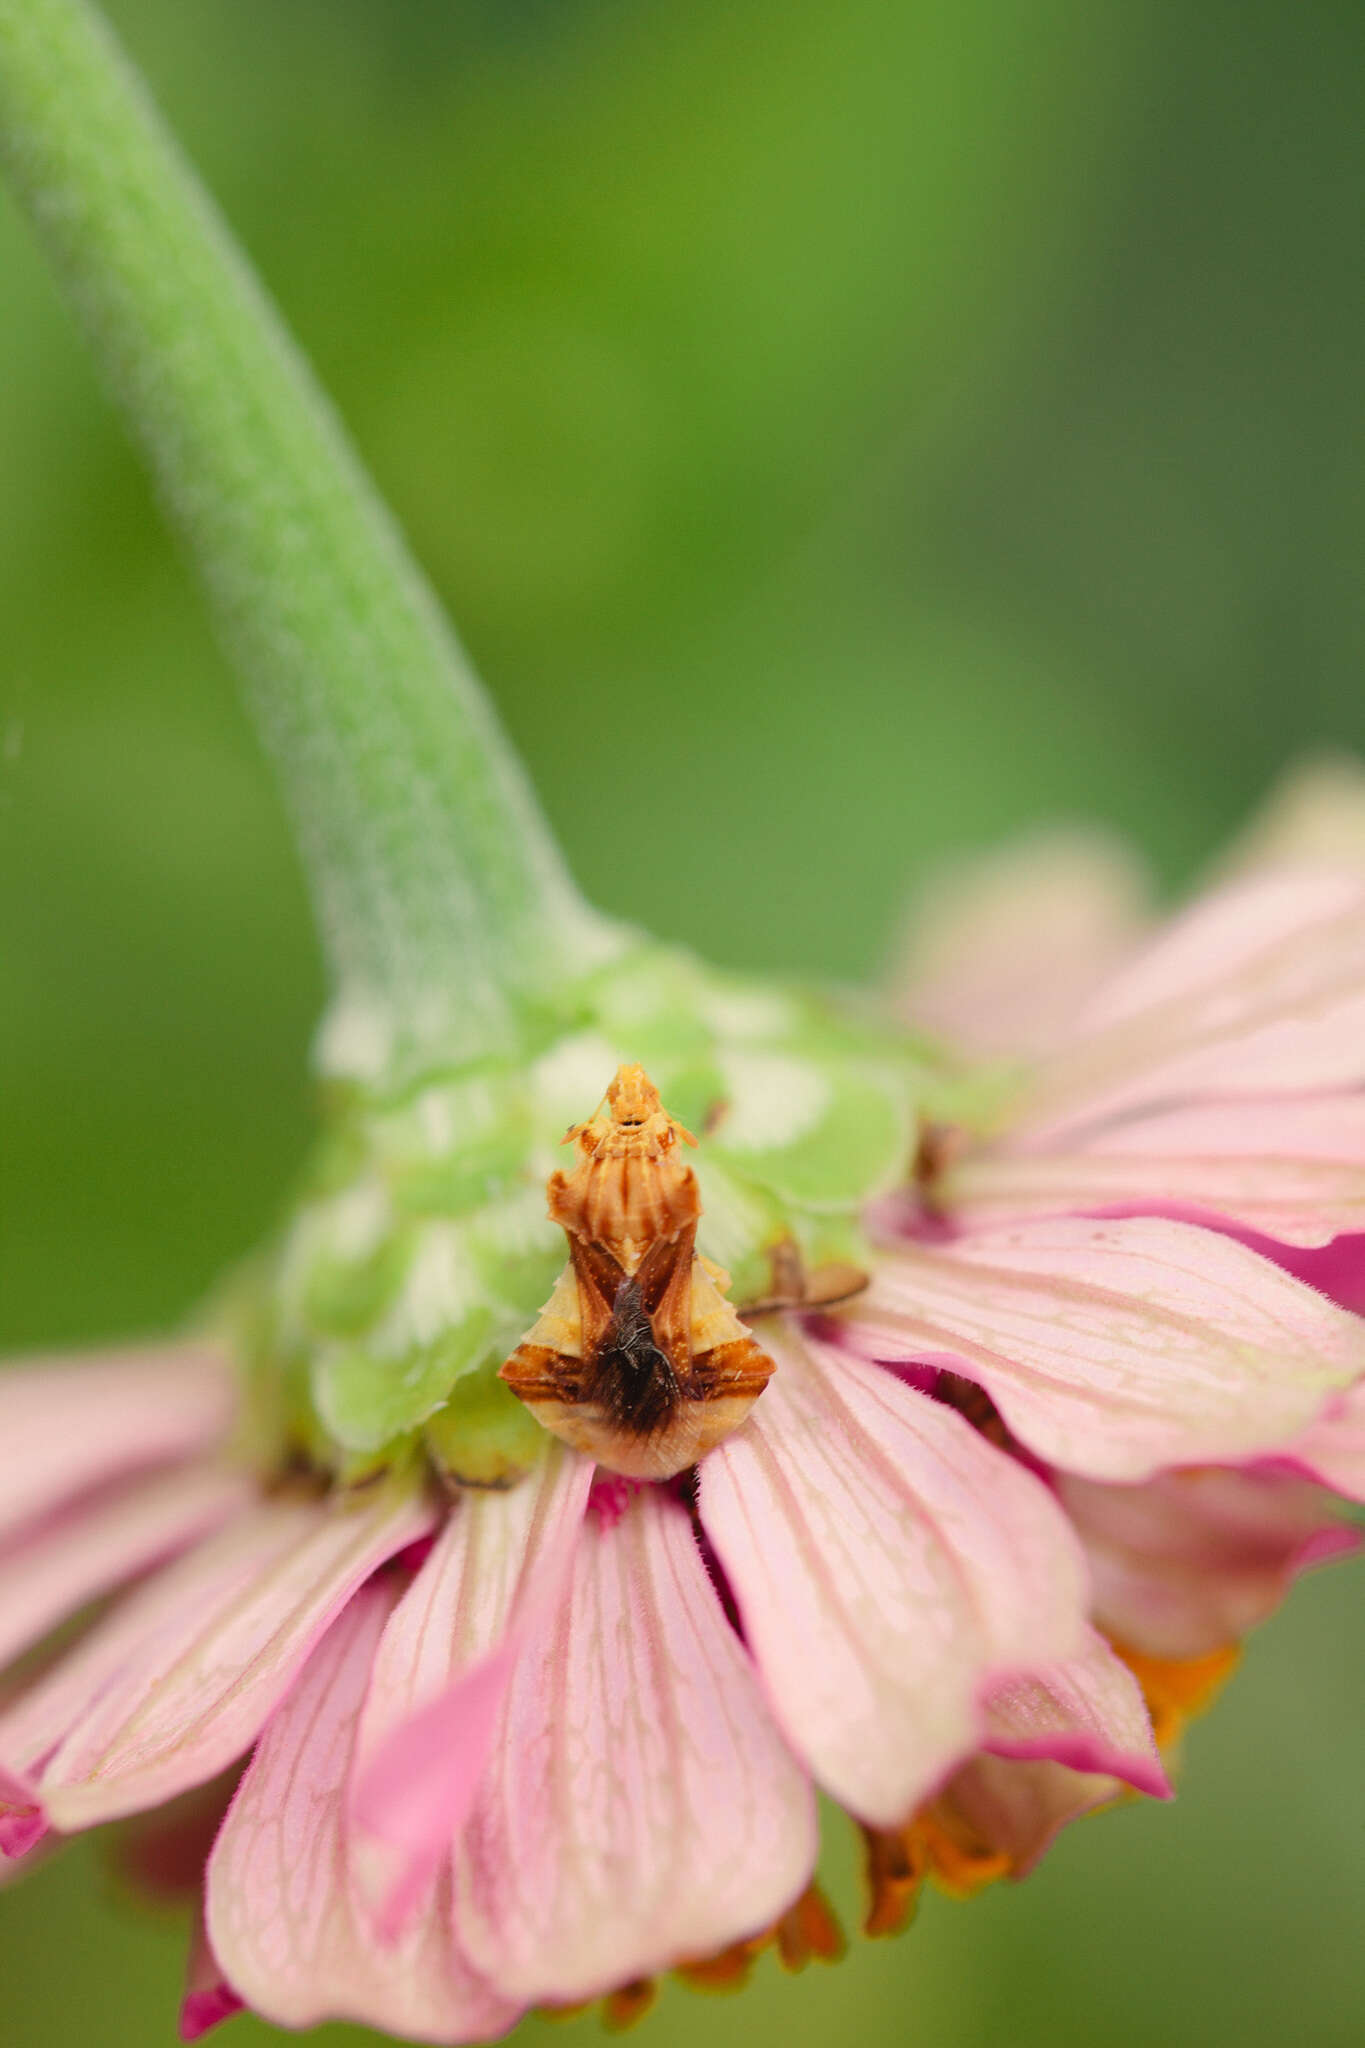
x,y
420,1249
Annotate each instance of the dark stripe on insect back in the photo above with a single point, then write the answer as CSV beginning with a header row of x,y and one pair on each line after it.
x,y
631,1378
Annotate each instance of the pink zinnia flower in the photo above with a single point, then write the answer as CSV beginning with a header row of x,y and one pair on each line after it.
x,y
534,1744
474,1722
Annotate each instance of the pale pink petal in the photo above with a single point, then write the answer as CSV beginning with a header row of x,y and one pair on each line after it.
x,y
286,1920
1060,1745
1021,1808
640,1807
1225,933
51,1571
1336,1269
1001,948
410,1801
164,1612
1292,1168
889,1564
1086,1712
1188,1562
1115,1347
22,1822
69,1423
1257,989
161,1855
1333,1447
178,1679
1314,815
443,1667
209,1999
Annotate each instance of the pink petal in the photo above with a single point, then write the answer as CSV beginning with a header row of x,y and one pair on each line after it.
x,y
209,1998
69,1423
179,1678
1113,1348
640,1807
161,1855
1333,1447
1003,948
1256,989
22,1822
1223,933
1086,1712
1021,1808
1292,1168
1314,814
99,1542
888,1563
443,1668
1089,1712
30,1849
204,2007
286,1921
1336,1269
1188,1562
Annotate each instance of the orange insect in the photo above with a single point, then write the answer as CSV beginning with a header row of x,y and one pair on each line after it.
x,y
637,1358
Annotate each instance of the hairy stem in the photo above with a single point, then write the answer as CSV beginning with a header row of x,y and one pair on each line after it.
x,y
439,891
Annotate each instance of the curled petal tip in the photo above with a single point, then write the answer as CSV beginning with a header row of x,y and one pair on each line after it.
x,y
22,1820
200,2011
19,1832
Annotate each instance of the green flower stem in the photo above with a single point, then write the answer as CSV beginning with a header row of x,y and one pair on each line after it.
x,y
440,893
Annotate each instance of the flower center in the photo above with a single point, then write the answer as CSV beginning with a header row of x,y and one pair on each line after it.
x,y
422,1250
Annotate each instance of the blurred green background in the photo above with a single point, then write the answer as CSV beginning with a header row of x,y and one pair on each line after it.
x,y
868,428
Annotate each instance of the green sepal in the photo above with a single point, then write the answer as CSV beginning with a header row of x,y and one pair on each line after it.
x,y
361,1468
983,1100
461,1184
832,1240
650,999
837,1133
484,1436
344,1297
741,1223
424,1250
365,1400
459,1141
